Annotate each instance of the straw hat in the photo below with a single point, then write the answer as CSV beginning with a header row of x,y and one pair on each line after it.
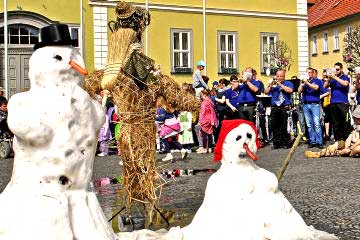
x,y
124,10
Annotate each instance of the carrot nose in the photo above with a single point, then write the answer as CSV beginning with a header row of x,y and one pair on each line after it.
x,y
78,68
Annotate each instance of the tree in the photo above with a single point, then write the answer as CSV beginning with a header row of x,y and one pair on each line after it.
x,y
352,47
280,53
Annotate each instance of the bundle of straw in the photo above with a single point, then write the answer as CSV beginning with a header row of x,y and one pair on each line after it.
x,y
118,53
176,97
92,82
136,111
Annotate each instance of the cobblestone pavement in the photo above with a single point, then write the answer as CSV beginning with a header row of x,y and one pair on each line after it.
x,y
324,191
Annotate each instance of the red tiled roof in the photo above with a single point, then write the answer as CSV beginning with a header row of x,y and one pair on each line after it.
x,y
326,11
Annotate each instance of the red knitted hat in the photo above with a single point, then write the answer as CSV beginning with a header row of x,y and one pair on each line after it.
x,y
227,126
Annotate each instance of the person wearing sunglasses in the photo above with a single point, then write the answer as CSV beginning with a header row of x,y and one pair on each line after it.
x,y
339,103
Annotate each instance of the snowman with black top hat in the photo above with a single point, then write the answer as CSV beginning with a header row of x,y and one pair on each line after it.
x,y
55,125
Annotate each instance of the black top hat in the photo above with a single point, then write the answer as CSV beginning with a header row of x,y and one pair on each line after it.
x,y
55,35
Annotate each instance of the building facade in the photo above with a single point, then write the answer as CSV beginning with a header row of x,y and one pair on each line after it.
x,y
329,22
24,19
228,35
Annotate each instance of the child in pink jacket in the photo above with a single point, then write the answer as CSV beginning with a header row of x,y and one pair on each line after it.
x,y
207,121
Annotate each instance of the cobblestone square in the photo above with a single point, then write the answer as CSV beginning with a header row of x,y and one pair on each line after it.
x,y
324,191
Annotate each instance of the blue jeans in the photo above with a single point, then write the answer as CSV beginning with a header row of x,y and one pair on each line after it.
x,y
312,119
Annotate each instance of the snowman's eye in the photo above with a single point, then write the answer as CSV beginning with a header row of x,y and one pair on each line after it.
x,y
249,135
58,57
238,138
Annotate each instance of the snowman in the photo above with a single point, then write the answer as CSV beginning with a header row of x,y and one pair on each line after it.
x,y
55,125
242,200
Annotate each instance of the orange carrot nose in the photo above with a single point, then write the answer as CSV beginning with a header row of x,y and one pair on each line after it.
x,y
78,68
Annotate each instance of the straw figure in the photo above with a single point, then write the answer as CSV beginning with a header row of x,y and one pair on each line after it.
x,y
135,85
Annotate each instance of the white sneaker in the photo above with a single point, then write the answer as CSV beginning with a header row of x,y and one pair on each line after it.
x,y
101,155
189,151
200,149
168,157
121,163
184,153
210,150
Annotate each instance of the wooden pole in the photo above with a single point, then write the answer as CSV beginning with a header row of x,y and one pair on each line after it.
x,y
290,154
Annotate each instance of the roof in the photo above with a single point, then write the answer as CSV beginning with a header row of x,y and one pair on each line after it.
x,y
326,11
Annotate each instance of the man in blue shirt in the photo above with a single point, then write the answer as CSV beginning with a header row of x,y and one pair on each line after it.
x,y
247,96
311,91
339,103
232,98
280,104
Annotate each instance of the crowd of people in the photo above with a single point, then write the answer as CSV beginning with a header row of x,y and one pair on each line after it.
x,y
318,106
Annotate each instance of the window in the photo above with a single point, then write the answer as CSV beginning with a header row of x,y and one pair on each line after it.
x,y
74,33
268,41
336,40
325,43
227,48
20,34
314,44
181,54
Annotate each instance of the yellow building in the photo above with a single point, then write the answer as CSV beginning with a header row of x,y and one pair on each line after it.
x,y
228,35
24,19
329,22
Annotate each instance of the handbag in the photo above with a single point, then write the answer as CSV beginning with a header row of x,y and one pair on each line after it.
x,y
170,127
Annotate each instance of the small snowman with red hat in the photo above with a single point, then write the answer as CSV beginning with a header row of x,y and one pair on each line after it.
x,y
55,125
242,200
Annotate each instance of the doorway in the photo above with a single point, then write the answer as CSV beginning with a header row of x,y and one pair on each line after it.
x,y
18,62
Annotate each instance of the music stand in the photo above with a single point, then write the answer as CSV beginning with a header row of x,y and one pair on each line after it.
x,y
264,99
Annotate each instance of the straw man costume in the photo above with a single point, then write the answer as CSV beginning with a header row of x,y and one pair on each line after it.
x,y
134,84
351,147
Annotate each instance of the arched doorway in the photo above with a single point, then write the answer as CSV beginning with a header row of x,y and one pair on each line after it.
x,y
23,33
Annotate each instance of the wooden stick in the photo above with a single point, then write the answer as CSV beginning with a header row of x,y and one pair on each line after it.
x,y
290,154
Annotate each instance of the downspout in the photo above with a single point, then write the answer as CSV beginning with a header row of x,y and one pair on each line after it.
x,y
147,31
204,24
6,41
82,28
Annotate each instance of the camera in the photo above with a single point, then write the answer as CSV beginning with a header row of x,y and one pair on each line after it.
x,y
330,71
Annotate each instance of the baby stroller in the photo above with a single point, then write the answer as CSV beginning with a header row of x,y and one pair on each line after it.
x,y
6,138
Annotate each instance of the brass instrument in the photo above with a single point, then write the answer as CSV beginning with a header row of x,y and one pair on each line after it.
x,y
274,82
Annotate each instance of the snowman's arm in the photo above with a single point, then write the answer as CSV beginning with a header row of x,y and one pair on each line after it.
x,y
25,123
99,114
266,181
